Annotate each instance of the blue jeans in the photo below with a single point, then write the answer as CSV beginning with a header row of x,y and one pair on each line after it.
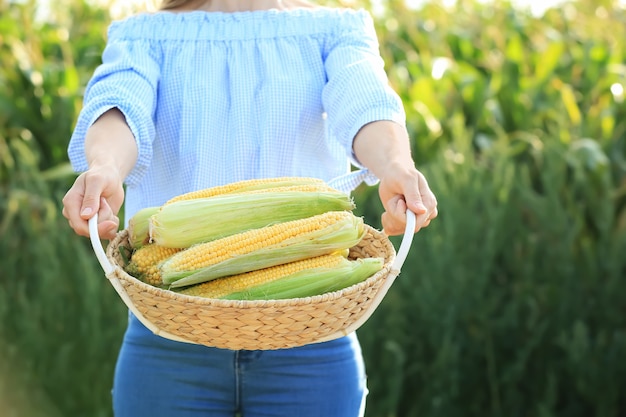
x,y
156,377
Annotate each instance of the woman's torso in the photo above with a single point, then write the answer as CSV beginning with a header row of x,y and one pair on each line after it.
x,y
215,97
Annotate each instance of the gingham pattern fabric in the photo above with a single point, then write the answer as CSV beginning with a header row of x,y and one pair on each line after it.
x,y
350,181
214,98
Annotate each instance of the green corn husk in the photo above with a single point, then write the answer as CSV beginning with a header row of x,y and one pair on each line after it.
x,y
341,235
185,223
138,227
313,282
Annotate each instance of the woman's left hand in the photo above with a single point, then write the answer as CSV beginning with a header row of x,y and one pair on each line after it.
x,y
403,191
383,147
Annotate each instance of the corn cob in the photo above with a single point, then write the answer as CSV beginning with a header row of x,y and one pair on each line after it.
x,y
247,185
223,287
317,281
188,222
138,227
144,263
264,247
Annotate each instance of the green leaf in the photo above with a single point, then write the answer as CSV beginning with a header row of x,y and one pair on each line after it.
x,y
547,61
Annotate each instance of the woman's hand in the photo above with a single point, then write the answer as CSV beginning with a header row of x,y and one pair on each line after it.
x,y
97,190
384,148
111,153
400,191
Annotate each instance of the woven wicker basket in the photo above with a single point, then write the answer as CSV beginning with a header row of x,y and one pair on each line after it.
x,y
256,325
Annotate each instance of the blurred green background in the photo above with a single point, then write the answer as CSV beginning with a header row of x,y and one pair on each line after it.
x,y
512,303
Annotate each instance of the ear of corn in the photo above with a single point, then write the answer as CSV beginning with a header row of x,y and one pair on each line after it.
x,y
261,248
247,185
144,263
138,227
311,282
187,222
234,284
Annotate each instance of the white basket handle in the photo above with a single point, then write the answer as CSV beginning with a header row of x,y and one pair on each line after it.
x,y
97,245
407,239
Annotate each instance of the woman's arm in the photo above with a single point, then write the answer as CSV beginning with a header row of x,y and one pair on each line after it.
x,y
111,153
384,148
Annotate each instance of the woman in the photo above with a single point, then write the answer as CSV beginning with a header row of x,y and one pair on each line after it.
x,y
203,93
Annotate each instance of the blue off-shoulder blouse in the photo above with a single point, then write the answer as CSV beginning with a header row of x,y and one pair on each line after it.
x,y
213,98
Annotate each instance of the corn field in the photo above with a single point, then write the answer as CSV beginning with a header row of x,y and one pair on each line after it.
x,y
512,303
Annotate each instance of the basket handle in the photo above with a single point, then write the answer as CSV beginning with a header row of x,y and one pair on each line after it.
x,y
97,245
407,239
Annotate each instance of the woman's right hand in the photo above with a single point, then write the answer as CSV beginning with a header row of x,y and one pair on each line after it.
x,y
98,190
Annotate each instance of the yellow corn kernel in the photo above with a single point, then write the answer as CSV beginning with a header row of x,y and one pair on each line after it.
x,y
304,188
235,283
144,263
246,185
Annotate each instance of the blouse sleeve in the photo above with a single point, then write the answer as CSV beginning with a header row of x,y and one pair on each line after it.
x,y
357,90
127,79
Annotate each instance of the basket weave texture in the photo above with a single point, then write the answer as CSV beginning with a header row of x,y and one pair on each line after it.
x,y
253,325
